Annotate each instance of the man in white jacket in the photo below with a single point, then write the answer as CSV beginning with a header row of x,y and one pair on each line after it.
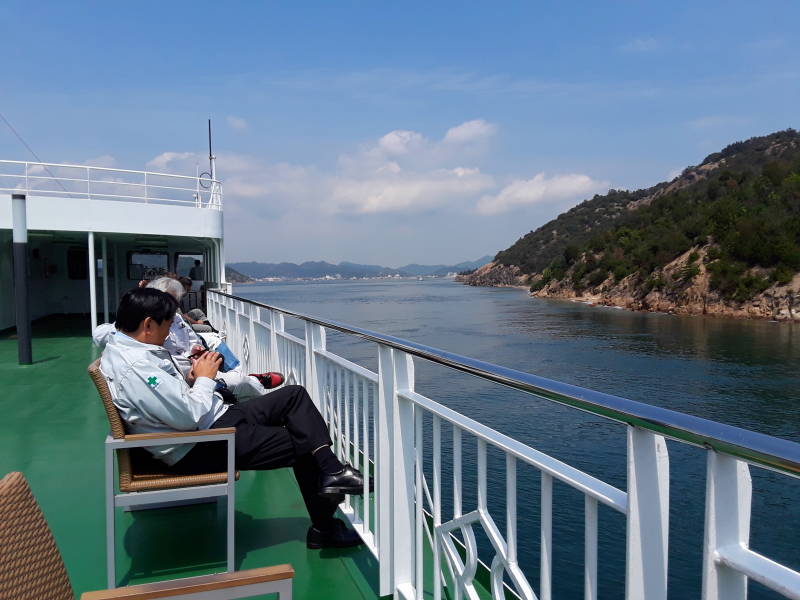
x,y
182,341
280,429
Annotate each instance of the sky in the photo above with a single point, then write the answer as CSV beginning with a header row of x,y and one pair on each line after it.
x,y
391,133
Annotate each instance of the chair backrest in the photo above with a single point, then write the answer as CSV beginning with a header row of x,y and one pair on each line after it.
x,y
117,428
30,564
114,422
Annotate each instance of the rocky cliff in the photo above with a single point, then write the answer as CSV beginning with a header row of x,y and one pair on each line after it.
x,y
681,287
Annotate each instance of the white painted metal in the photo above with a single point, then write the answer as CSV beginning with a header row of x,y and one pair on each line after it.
x,y
156,497
419,500
17,177
398,446
583,482
19,220
117,268
437,504
648,516
383,468
104,256
316,335
92,281
403,456
59,213
728,498
546,537
590,549
778,577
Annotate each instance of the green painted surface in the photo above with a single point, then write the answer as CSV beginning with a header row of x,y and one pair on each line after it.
x,y
52,430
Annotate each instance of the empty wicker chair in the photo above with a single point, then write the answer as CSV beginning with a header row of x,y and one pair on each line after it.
x,y
144,480
31,567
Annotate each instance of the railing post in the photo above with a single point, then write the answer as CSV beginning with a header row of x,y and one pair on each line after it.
x,y
315,340
648,516
384,521
728,499
275,348
403,471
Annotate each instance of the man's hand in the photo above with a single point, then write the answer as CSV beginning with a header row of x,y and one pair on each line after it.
x,y
207,365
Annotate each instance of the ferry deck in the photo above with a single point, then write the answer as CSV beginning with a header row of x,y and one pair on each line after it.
x,y
54,430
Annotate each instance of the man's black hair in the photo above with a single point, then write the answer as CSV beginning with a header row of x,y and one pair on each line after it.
x,y
140,303
196,262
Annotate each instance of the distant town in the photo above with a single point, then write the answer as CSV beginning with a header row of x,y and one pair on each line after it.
x,y
244,272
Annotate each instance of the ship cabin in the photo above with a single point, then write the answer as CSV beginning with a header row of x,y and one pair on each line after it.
x,y
94,232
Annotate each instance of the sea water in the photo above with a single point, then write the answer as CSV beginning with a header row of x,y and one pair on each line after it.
x,y
742,373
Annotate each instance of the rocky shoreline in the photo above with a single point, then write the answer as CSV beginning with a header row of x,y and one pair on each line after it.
x,y
776,303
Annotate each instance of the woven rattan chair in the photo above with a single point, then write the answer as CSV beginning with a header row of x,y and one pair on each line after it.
x,y
31,567
145,481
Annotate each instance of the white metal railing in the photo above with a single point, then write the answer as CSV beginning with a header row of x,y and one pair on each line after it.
x,y
379,422
103,183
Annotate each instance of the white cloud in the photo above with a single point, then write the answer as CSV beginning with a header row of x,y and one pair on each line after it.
x,y
401,142
471,131
172,160
407,192
540,190
642,45
236,123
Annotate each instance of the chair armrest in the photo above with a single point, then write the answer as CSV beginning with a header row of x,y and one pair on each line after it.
x,y
195,585
141,440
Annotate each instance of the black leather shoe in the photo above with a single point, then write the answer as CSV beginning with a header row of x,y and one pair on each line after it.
x,y
349,481
338,536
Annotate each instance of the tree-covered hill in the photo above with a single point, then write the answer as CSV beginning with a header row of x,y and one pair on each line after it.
x,y
576,227
733,220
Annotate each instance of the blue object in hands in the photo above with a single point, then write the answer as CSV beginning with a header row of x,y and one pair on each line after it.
x,y
229,360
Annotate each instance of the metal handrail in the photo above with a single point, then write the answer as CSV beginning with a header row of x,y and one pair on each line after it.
x,y
93,168
92,177
756,448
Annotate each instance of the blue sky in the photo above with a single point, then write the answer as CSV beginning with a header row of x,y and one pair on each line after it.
x,y
395,133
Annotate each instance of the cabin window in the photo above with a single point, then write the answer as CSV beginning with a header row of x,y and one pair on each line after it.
x,y
77,263
186,265
147,265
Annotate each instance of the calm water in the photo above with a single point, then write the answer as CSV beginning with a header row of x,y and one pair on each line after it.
x,y
737,372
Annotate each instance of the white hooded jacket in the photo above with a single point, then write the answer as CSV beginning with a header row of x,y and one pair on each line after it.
x,y
152,395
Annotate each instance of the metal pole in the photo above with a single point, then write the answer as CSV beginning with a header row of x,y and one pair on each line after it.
x,y
105,280
92,283
211,156
221,258
117,269
20,243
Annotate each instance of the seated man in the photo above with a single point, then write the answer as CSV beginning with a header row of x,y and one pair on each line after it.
x,y
182,342
281,429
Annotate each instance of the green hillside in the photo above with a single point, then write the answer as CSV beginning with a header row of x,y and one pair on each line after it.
x,y
741,206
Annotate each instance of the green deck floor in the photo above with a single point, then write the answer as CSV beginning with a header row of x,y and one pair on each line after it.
x,y
53,429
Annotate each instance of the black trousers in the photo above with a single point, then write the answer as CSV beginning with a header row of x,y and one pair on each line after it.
x,y
276,430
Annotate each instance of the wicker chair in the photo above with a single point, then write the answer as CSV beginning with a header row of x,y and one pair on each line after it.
x,y
147,482
31,567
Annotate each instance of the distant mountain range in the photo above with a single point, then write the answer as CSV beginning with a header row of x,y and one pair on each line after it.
x,y
316,269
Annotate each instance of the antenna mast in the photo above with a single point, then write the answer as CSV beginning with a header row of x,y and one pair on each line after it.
x,y
211,157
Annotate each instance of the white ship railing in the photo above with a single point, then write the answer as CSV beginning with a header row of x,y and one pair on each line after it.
x,y
378,422
104,183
